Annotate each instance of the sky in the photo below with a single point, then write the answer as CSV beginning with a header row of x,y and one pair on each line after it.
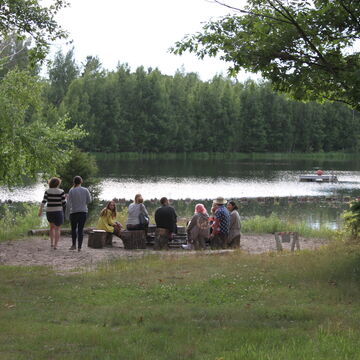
x,y
140,33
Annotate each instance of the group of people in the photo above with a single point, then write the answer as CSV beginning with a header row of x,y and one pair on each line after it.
x,y
221,228
73,205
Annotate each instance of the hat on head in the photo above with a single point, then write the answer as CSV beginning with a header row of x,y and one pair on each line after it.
x,y
220,201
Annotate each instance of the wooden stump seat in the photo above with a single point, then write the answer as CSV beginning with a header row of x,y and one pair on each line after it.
x,y
134,239
97,239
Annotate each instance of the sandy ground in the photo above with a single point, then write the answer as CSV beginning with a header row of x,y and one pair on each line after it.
x,y
35,251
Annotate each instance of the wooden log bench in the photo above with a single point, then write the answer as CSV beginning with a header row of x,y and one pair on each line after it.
x,y
40,232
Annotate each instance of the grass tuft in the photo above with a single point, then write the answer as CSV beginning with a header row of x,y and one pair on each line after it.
x,y
16,222
273,223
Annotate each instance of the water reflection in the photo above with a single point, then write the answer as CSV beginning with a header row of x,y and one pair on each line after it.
x,y
281,184
233,179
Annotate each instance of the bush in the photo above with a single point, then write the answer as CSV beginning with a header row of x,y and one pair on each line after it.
x,y
17,219
352,220
82,164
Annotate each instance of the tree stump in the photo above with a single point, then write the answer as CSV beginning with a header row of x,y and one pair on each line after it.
x,y
108,239
134,239
97,239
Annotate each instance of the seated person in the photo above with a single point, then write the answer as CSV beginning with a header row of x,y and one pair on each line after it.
x,y
107,220
198,229
165,219
135,210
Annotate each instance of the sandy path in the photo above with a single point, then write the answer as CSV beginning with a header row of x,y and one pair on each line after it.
x,y
35,251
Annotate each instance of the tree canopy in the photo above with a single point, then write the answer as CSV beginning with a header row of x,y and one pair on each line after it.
x,y
147,111
27,18
34,138
305,48
28,145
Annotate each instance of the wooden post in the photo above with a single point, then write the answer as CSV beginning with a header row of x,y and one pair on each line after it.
x,y
295,241
278,242
291,237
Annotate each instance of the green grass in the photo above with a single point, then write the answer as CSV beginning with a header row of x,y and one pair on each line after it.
x,y
16,222
232,306
273,223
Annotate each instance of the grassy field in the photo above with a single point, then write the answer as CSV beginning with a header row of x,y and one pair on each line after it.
x,y
231,306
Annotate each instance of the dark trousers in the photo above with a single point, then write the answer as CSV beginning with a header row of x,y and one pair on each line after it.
x,y
219,241
234,243
77,221
162,237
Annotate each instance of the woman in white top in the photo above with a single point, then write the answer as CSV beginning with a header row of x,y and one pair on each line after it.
x,y
235,226
54,198
136,211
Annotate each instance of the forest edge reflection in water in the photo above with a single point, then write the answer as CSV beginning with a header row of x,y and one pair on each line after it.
x,y
251,179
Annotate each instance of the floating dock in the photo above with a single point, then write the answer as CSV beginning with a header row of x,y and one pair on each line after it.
x,y
318,178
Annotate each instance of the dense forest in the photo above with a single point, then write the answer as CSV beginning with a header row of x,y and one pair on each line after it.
x,y
147,111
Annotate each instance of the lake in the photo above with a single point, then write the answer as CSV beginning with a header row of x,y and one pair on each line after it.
x,y
248,178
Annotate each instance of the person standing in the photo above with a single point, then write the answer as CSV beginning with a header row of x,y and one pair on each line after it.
x,y
54,197
198,229
165,219
78,199
235,225
221,224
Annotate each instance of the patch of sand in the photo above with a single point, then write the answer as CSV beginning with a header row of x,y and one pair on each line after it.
x,y
36,251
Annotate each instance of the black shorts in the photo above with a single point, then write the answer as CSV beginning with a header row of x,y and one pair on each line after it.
x,y
55,217
135,227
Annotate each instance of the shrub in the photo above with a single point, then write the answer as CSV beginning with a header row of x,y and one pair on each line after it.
x,y
82,164
17,219
352,220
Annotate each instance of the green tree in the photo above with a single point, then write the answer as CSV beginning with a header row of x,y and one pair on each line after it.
x,y
253,134
28,145
61,74
305,48
14,52
27,18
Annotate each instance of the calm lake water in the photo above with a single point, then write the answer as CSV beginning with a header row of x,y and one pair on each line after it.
x,y
207,179
233,179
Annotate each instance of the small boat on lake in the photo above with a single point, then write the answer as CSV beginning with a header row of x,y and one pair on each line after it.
x,y
319,178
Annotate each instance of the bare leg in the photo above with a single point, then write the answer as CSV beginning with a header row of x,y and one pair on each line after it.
x,y
57,231
52,234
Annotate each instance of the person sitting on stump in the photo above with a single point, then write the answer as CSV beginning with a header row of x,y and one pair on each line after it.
x,y
221,225
165,219
137,212
198,230
107,220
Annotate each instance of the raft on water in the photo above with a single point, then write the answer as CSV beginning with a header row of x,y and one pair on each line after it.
x,y
318,178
